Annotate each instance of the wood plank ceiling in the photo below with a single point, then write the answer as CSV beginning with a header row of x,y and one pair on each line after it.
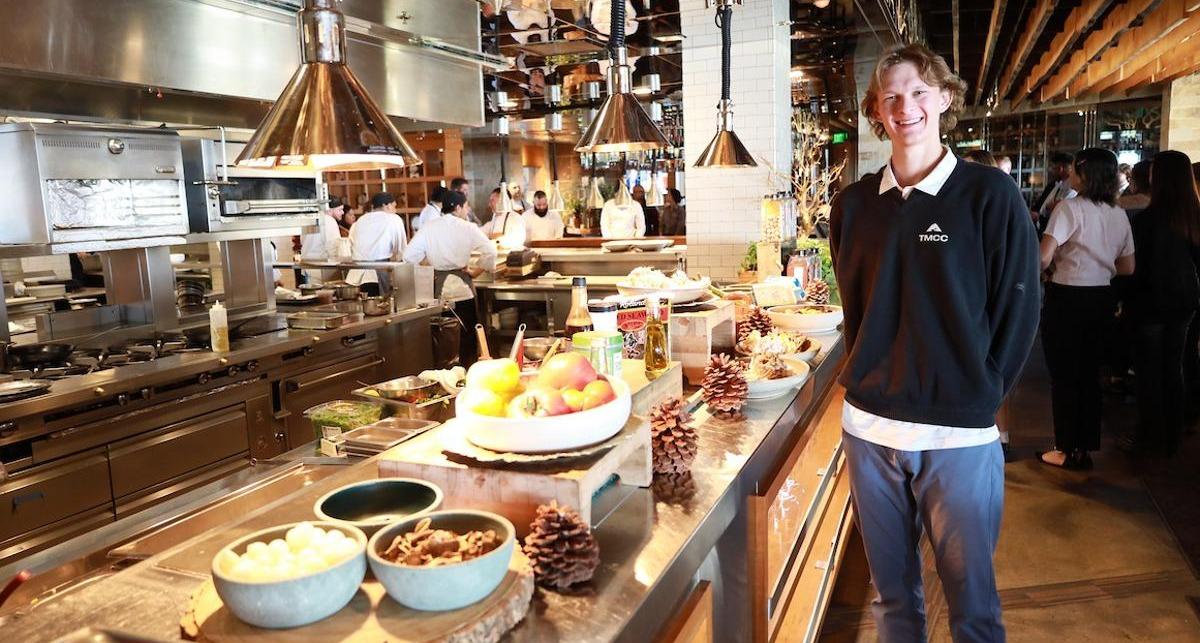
x,y
1015,53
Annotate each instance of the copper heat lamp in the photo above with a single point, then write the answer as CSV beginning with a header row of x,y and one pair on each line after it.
x,y
725,149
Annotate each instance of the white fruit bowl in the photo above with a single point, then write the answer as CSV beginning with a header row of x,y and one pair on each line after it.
x,y
768,389
550,434
675,295
791,317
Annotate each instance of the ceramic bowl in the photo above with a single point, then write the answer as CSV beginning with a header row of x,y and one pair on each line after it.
x,y
551,434
767,389
296,601
446,587
372,504
806,318
674,295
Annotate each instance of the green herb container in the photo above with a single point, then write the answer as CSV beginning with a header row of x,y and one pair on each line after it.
x,y
614,344
339,416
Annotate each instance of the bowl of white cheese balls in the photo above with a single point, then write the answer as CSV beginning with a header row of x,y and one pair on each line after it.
x,y
291,575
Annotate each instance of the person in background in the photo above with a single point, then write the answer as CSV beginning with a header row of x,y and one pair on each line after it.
x,y
1005,165
1164,298
324,243
1137,196
378,236
652,224
509,225
982,157
1124,171
673,221
1058,188
622,221
516,195
1087,242
463,186
446,243
542,224
432,210
931,255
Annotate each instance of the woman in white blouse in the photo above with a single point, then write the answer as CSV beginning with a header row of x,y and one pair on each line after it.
x,y
1087,242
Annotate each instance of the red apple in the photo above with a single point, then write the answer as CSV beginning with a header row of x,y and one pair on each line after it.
x,y
573,398
538,402
566,370
597,393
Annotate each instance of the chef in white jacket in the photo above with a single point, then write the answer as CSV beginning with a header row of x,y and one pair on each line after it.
x,y
447,243
378,235
432,210
542,224
622,221
325,242
509,227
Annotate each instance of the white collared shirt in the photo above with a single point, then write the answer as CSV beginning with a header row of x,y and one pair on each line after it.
x,y
622,221
914,436
543,228
431,211
447,243
376,236
324,244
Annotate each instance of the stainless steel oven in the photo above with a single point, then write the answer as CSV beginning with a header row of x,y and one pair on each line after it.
x,y
90,187
223,197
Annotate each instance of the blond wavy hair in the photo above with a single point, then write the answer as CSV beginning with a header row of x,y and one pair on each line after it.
x,y
933,70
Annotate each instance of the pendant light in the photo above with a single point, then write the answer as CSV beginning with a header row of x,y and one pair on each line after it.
x,y
505,205
725,150
654,194
556,203
595,200
623,196
621,125
324,117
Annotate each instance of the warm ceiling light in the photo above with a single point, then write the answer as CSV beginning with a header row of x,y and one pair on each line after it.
x,y
725,149
796,74
671,37
325,118
621,125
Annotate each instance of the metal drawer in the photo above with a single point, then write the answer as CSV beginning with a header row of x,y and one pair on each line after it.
x,y
304,390
41,495
149,459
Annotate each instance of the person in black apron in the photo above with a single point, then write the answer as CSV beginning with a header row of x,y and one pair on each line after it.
x,y
447,243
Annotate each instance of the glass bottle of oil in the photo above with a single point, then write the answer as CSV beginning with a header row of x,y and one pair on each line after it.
x,y
578,318
658,347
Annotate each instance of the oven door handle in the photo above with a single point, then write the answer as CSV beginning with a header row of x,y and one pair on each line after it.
x,y
32,496
299,386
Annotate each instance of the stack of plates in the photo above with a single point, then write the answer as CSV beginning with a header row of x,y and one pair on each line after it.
x,y
380,436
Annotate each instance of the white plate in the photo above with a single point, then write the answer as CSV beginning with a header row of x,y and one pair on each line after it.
x,y
767,389
651,245
548,434
675,295
785,317
617,246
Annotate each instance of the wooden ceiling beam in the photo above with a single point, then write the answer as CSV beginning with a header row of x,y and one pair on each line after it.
x,y
1033,30
1182,57
989,45
1148,58
1114,26
1133,48
1077,23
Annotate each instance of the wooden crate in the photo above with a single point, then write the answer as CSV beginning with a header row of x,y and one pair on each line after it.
x,y
696,336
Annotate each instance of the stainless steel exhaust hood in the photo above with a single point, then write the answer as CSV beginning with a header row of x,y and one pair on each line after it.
x,y
219,62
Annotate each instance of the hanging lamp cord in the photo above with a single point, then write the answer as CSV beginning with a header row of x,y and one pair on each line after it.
x,y
616,28
723,19
553,161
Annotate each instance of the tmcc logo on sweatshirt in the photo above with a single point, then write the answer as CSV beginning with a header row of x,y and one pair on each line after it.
x,y
933,234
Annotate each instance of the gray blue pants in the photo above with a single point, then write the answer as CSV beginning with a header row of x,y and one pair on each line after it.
x,y
956,496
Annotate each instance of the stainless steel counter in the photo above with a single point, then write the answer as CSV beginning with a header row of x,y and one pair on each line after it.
x,y
653,549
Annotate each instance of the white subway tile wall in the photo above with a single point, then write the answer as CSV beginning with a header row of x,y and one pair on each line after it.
x,y
723,204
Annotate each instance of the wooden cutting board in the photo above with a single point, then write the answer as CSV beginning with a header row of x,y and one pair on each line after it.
x,y
372,616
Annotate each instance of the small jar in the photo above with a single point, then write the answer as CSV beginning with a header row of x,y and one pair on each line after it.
x,y
604,314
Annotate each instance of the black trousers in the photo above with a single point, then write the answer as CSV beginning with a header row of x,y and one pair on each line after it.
x,y
1161,393
468,343
1076,327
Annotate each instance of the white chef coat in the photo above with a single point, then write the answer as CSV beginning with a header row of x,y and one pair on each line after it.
x,y
376,236
543,228
622,221
323,244
431,211
512,227
447,243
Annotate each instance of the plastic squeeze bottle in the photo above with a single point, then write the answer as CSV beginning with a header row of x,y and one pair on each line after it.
x,y
218,328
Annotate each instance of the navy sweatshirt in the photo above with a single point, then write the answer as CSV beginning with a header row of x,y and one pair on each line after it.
x,y
941,296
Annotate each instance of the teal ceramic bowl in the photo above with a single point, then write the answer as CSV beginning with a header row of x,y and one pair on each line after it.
x,y
296,601
372,504
447,587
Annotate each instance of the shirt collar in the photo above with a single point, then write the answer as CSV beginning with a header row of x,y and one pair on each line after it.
x,y
931,184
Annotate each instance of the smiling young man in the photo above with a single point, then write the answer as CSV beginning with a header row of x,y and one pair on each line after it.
x,y
937,264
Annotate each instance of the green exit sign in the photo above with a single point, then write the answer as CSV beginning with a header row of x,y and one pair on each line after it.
x,y
839,137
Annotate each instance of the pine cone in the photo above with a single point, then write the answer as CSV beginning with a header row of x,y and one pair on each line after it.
x,y
817,292
724,386
560,547
672,439
674,488
756,320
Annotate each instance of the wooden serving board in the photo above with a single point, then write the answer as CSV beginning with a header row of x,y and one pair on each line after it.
x,y
696,336
371,616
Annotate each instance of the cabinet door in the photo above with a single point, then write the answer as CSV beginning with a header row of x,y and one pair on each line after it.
x,y
694,622
305,390
150,459
43,494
